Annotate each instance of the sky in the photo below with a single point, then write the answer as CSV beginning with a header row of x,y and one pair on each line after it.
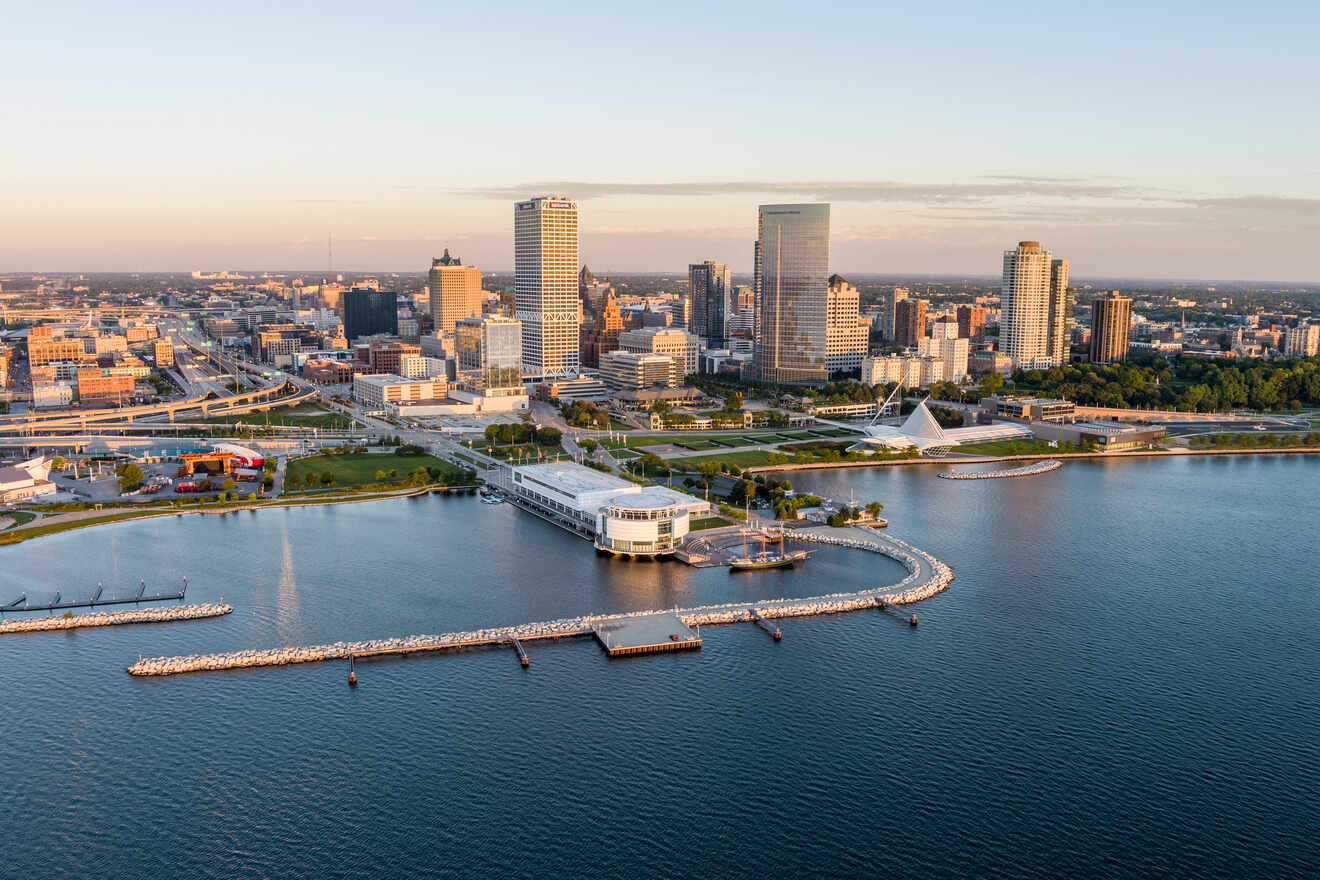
x,y
1171,140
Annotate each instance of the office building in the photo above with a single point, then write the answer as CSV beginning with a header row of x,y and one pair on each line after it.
x,y
846,332
545,253
710,290
1111,328
98,387
162,352
379,389
971,322
889,312
682,346
488,351
794,271
633,371
370,312
909,321
1035,308
455,292
1302,341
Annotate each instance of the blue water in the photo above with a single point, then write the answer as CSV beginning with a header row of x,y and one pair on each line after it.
x,y
1120,683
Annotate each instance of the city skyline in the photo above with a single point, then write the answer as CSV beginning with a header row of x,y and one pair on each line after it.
x,y
1150,157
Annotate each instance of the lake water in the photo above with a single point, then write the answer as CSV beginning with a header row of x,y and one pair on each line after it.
x,y
1121,682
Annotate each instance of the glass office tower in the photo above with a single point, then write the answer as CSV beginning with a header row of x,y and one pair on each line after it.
x,y
794,309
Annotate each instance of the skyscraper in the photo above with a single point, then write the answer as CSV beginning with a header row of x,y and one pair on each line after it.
x,y
889,311
1111,328
455,292
545,256
846,335
909,321
1035,307
710,286
368,312
794,269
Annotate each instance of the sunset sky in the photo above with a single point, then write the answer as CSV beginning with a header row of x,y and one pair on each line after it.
x,y
1179,141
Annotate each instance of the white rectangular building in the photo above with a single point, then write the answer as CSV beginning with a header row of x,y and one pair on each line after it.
x,y
379,389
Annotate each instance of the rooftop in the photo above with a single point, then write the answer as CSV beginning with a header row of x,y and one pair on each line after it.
x,y
573,479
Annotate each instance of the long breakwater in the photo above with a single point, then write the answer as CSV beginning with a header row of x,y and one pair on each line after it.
x,y
1038,467
141,615
926,577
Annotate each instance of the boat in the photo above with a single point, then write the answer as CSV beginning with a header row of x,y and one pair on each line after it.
x,y
493,498
766,558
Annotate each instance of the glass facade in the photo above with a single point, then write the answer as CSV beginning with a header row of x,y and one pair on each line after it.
x,y
368,312
709,288
794,310
489,353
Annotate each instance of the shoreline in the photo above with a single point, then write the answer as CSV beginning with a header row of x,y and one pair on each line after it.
x,y
116,515
1062,456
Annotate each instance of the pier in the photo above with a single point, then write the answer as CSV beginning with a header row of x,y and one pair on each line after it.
x,y
759,619
645,634
632,632
141,615
94,599
522,654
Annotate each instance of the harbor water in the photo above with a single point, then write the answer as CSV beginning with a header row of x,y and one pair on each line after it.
x,y
1121,682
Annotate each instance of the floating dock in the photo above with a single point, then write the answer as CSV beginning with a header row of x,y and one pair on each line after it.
x,y
94,600
645,634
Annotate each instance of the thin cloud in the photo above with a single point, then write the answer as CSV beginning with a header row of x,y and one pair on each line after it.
x,y
832,191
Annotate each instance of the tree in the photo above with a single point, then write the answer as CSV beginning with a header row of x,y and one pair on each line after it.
x,y
549,436
130,478
590,446
229,485
380,476
873,509
58,463
293,480
328,478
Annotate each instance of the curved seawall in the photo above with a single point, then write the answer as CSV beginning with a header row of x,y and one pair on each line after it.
x,y
1039,467
926,577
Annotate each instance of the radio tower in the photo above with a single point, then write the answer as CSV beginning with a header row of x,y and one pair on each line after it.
x,y
330,256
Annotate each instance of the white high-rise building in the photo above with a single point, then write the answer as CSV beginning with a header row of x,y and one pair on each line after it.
x,y
545,257
1303,341
846,332
1035,308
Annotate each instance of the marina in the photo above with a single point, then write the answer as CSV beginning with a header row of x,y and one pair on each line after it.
x,y
619,634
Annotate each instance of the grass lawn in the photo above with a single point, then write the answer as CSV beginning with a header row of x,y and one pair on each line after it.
x,y
617,425
709,522
20,517
698,444
360,470
624,454
750,458
305,415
